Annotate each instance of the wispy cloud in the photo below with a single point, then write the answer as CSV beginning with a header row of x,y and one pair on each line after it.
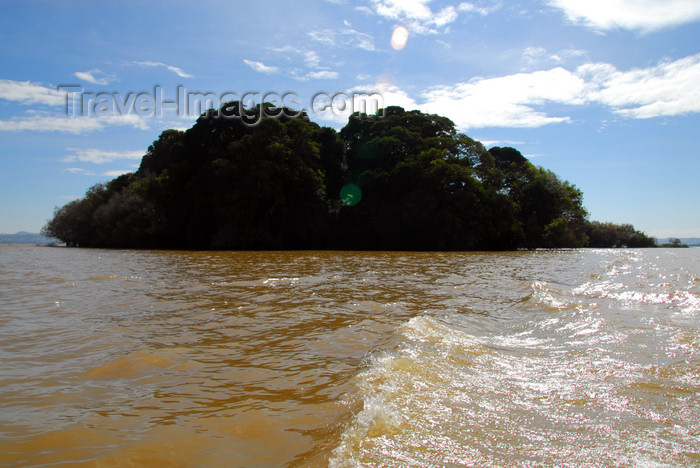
x,y
50,124
535,57
85,172
177,70
95,76
96,156
492,143
78,170
116,173
261,67
323,75
40,122
639,15
27,92
310,58
467,7
419,18
346,38
416,15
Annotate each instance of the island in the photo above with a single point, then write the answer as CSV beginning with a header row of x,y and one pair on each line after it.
x,y
392,180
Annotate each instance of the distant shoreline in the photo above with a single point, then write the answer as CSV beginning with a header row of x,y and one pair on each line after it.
x,y
36,239
23,237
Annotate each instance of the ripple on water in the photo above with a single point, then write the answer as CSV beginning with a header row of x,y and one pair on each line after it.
x,y
421,359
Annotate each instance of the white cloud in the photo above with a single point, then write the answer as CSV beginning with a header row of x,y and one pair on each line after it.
x,y
444,16
323,74
397,9
96,156
286,49
325,36
467,7
26,92
311,59
92,76
443,44
361,99
50,124
365,10
533,55
566,55
667,89
392,95
85,172
639,15
415,14
419,18
78,170
538,56
116,173
39,122
508,101
492,143
348,38
177,70
261,67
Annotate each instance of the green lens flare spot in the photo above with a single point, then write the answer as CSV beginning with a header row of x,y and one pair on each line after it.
x,y
351,194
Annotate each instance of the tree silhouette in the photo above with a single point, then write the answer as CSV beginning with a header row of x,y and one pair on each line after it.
x,y
269,178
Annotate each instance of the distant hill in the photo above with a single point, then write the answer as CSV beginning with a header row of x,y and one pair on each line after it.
x,y
23,237
692,241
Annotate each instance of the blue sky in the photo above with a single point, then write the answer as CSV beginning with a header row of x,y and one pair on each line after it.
x,y
606,93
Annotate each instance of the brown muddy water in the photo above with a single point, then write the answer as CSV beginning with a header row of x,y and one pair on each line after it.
x,y
223,359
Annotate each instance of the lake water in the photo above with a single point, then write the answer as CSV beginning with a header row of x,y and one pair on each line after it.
x,y
220,359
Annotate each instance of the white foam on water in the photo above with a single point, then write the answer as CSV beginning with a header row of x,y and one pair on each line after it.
x,y
596,374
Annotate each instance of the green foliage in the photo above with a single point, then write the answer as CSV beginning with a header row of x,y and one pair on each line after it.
x,y
675,243
616,235
421,187
405,181
559,233
550,211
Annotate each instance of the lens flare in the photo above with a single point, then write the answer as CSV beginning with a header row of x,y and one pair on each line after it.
x,y
399,38
351,194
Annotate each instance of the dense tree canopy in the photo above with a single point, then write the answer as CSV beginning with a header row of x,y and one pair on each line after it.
x,y
616,235
399,180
